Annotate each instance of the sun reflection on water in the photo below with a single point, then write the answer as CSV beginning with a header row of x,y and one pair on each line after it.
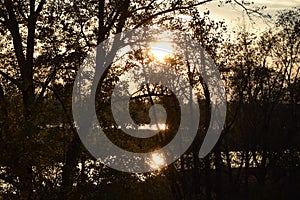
x,y
157,161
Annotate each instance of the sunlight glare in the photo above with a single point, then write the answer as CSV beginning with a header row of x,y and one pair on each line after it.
x,y
161,50
154,127
157,161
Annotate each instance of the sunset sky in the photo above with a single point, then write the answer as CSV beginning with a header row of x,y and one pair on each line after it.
x,y
233,16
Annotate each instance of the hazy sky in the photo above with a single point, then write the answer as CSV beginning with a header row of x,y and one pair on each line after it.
x,y
233,16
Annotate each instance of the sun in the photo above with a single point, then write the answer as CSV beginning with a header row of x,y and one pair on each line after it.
x,y
161,50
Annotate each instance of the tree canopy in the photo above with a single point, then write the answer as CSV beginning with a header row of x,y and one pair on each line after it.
x,y
43,44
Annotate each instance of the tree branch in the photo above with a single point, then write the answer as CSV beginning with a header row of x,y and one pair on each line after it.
x,y
170,10
20,6
144,7
40,6
11,79
250,11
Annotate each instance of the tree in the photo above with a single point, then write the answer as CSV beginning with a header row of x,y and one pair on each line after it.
x,y
47,41
259,71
